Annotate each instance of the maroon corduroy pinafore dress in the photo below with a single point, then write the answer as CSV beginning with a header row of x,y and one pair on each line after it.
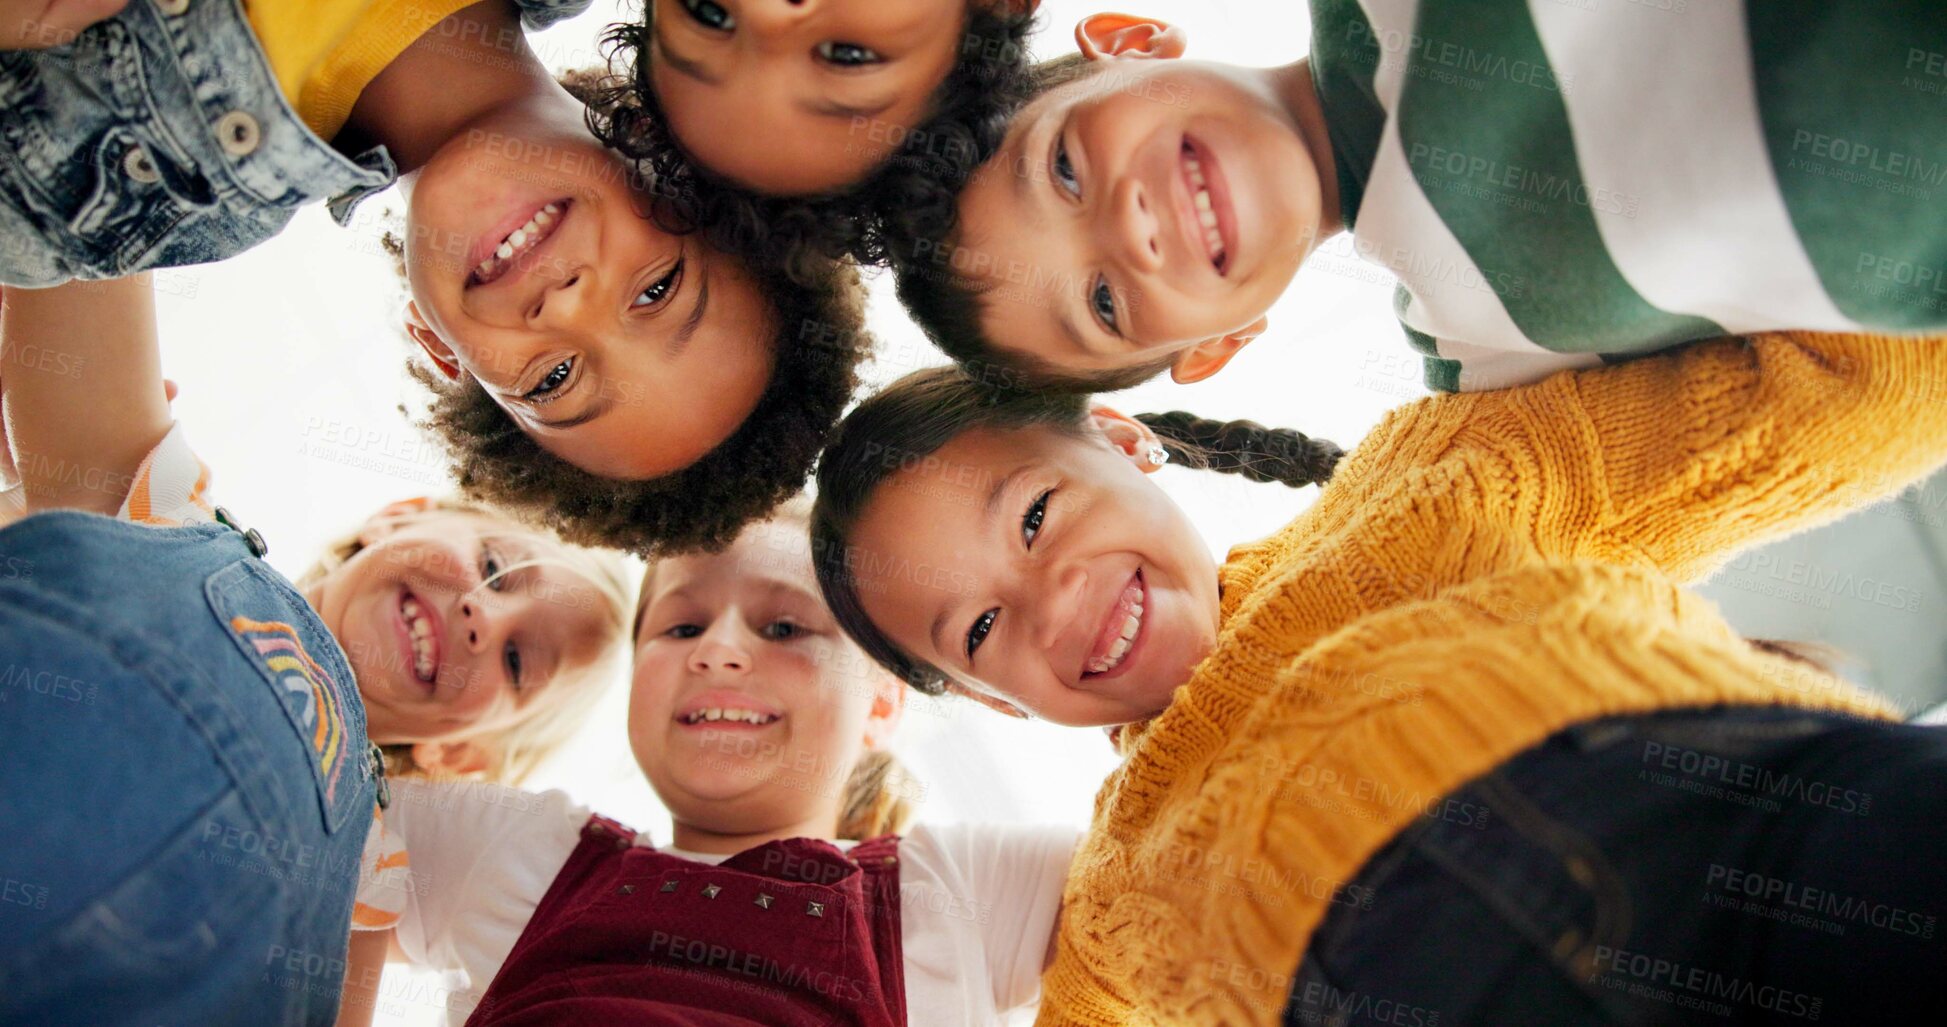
x,y
792,933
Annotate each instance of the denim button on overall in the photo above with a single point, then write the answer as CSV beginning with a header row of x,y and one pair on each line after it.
x,y
159,138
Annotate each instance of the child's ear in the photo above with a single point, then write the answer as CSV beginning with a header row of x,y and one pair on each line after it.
x,y
1209,356
450,759
888,707
997,705
1102,36
1130,437
389,516
436,348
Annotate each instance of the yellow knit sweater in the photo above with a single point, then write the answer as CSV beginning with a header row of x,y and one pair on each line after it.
x,y
1484,570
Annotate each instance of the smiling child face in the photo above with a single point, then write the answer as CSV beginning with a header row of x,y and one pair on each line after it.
x,y
618,347
749,706
1078,592
1138,212
454,630
793,97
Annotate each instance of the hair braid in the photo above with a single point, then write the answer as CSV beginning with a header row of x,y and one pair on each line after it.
x,y
1245,447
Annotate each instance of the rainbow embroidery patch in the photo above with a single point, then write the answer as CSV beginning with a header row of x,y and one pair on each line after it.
x,y
315,692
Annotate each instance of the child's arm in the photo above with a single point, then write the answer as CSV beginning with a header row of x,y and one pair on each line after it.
x,y
1674,461
1685,459
364,966
81,390
39,24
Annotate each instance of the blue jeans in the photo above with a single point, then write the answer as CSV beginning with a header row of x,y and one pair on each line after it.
x,y
184,782
1730,866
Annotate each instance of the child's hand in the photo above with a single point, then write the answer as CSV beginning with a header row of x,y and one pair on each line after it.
x,y
40,24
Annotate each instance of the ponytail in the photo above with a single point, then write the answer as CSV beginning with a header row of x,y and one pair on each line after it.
x,y
1245,447
878,798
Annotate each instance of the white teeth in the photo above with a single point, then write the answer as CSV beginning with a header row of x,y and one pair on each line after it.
x,y
1132,623
518,241
712,714
421,630
1213,237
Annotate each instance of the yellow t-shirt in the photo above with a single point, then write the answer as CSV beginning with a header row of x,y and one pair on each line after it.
x,y
325,52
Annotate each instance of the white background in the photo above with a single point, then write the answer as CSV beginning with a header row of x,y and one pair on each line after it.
x,y
290,361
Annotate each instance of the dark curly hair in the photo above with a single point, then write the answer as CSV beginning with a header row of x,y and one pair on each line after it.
x,y
820,338
903,198
914,417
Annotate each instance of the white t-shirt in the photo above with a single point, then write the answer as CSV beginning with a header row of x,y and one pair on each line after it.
x,y
977,901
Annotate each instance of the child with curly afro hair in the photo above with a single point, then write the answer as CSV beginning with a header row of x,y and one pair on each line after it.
x,y
808,132
738,418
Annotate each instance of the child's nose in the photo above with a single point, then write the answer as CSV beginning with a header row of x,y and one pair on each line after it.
x,y
1135,225
1059,604
564,303
777,14
714,654
481,624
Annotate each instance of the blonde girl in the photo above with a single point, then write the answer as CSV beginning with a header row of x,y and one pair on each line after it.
x,y
787,893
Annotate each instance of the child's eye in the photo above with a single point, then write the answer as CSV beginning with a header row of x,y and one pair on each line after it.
x,y
780,630
684,631
490,569
1102,302
659,290
978,633
514,664
710,15
847,55
547,385
1064,170
1031,521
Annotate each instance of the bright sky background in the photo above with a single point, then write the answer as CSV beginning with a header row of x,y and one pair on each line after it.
x,y
290,362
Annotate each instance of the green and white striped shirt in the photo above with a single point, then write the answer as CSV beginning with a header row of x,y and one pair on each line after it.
x,y
1560,182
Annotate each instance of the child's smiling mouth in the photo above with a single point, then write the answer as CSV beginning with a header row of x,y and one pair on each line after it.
x,y
492,256
725,708
419,627
1212,224
1121,631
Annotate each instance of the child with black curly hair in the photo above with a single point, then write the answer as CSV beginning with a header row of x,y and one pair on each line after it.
x,y
607,374
797,132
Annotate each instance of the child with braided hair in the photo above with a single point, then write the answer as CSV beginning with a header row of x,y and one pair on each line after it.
x,y
1455,704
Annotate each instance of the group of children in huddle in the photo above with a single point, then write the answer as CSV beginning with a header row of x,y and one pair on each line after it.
x,y
1431,751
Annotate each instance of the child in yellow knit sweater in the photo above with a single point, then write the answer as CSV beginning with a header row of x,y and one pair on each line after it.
x,y
1456,705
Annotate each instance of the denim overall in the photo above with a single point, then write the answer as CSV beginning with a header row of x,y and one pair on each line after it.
x,y
159,138
185,787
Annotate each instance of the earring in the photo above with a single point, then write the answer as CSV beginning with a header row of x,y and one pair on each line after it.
x,y
1156,454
